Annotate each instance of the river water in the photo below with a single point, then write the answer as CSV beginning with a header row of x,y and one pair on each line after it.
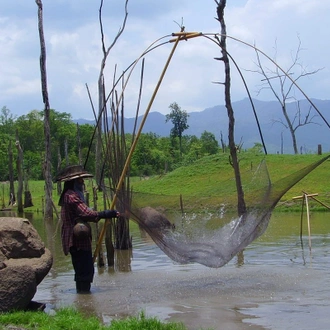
x,y
278,282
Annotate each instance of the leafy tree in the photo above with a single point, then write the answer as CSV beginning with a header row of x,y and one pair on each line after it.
x,y
63,130
148,157
187,141
7,136
7,121
194,152
31,132
257,148
32,164
87,145
4,144
164,144
179,119
209,143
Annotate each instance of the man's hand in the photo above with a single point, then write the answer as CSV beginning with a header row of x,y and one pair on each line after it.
x,y
108,214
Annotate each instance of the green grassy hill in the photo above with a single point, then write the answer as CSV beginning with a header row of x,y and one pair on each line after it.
x,y
211,179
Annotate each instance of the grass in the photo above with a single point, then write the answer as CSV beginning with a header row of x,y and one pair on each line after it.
x,y
70,319
211,180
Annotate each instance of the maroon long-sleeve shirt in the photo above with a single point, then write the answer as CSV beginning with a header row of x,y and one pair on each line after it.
x,y
73,210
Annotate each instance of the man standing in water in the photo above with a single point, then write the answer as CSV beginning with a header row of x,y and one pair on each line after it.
x,y
76,232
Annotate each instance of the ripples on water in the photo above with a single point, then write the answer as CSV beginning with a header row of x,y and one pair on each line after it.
x,y
276,283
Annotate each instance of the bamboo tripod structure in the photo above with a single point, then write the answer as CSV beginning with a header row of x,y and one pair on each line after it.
x,y
304,199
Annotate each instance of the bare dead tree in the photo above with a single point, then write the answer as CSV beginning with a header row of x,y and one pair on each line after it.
x,y
116,155
102,121
79,144
299,119
101,89
59,162
12,198
47,161
241,206
27,193
283,88
19,168
223,144
66,152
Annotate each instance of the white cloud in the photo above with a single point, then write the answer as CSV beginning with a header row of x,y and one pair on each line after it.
x,y
74,50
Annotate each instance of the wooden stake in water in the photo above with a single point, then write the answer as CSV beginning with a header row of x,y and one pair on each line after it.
x,y
308,223
305,199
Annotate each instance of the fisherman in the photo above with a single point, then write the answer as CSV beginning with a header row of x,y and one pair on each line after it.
x,y
76,232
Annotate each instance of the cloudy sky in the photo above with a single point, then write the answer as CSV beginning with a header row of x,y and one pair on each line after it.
x,y
74,53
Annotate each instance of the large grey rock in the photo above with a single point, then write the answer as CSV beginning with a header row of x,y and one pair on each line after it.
x,y
24,262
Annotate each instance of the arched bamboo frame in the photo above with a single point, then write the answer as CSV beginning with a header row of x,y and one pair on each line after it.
x,y
179,36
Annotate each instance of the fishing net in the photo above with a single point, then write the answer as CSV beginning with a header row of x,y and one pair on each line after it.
x,y
189,228
205,230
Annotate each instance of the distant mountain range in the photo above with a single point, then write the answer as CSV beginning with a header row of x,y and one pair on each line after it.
x,y
269,116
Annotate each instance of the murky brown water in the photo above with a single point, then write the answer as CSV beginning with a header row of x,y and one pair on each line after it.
x,y
275,284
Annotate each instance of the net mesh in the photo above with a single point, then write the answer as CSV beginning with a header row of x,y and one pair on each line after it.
x,y
206,229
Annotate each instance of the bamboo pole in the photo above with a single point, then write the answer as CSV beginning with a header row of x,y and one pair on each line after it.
x,y
185,35
317,200
304,198
129,156
308,195
308,223
301,219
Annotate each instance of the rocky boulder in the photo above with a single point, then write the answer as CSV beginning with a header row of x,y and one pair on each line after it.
x,y
24,262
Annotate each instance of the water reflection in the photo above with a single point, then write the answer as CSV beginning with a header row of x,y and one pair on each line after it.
x,y
256,288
